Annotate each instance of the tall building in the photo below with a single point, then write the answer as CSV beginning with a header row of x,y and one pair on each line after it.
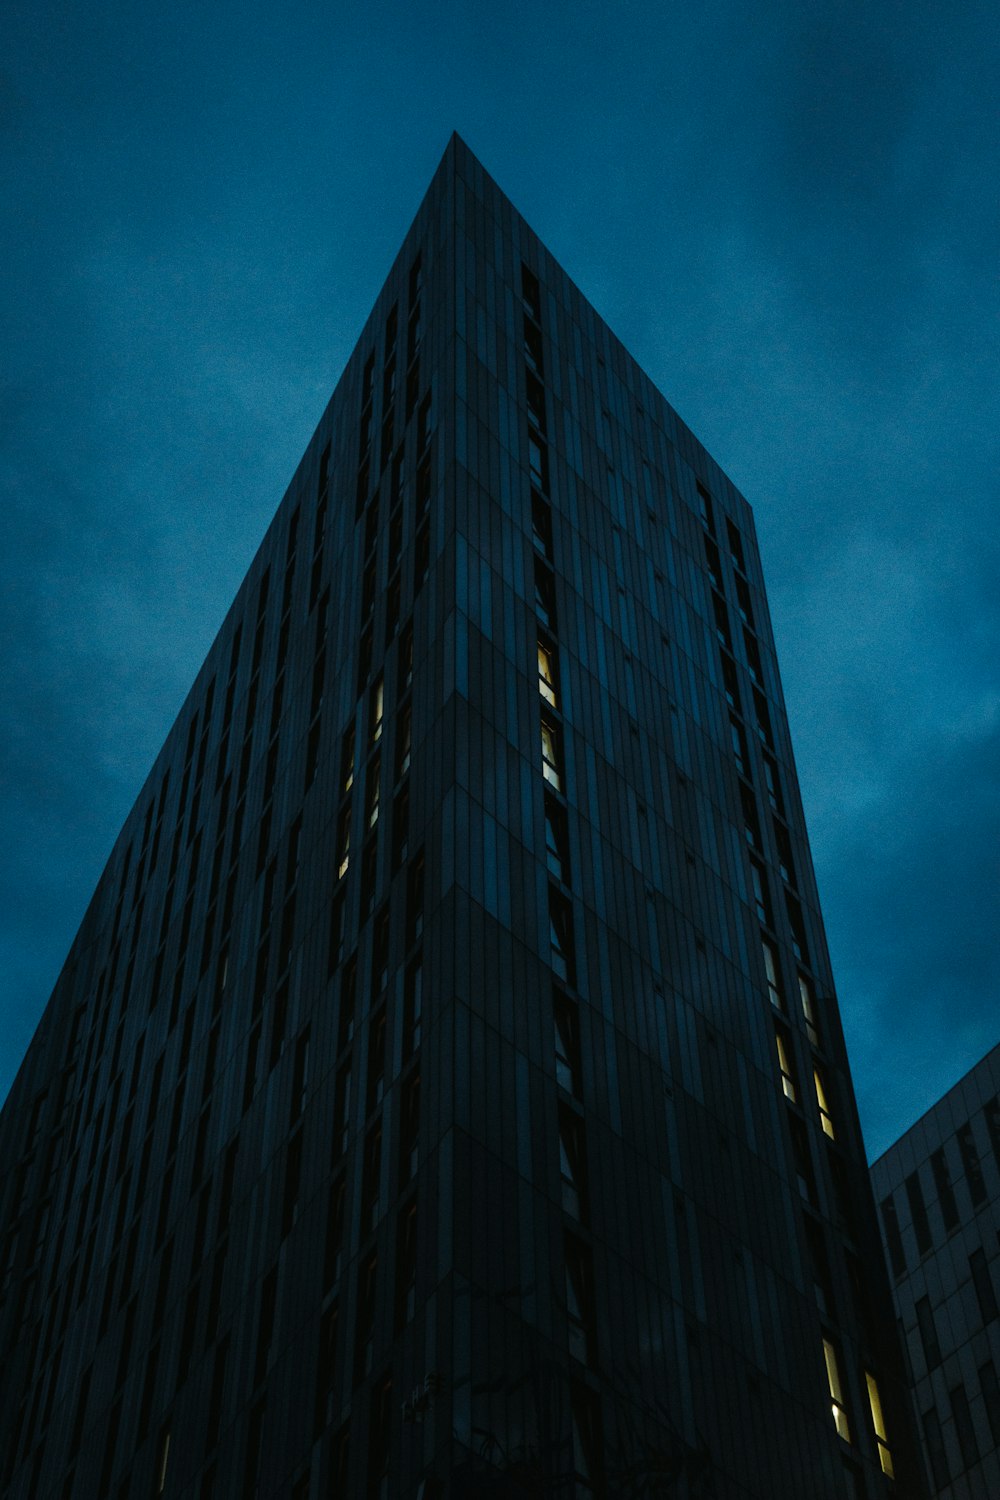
x,y
445,1094
938,1189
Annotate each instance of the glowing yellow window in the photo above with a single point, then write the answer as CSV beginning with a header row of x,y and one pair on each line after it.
x,y
824,1108
547,674
836,1391
878,1422
784,1064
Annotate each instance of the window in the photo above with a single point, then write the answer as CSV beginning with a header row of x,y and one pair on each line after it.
x,y
963,1426
893,1238
784,1047
735,545
773,783
412,1007
409,1128
761,896
822,1103
535,393
705,508
567,1043
556,838
379,1434
738,740
326,1369
265,1324
572,1164
934,1441
744,602
580,1299
341,1110
983,1282
545,594
808,1009
400,828
376,1060
367,1274
970,1163
721,621
588,1460
538,463
918,1213
547,672
561,936
928,1333
372,791
541,526
531,294
803,1160
293,1184
751,826
786,864
406,1265
380,954
376,704
347,760
992,1112
713,562
878,1424
333,1250
369,868
415,898
837,1406
533,348
730,682
990,1388
551,758
773,977
404,734
344,841
797,925
819,1265
371,1181
945,1192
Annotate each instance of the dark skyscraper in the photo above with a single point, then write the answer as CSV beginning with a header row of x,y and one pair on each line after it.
x,y
938,1189
445,1093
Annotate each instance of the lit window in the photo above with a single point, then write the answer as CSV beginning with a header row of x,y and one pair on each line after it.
x,y
785,1065
808,1010
550,755
836,1391
824,1107
547,673
878,1423
377,705
161,1480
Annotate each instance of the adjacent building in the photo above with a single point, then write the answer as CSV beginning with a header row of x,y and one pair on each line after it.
x,y
938,1189
445,1093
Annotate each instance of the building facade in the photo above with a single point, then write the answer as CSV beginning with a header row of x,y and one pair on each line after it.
x,y
445,1094
938,1190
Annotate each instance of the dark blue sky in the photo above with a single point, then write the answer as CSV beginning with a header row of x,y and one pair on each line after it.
x,y
787,212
